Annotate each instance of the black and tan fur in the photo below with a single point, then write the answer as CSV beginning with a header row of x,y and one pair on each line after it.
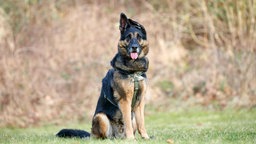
x,y
118,114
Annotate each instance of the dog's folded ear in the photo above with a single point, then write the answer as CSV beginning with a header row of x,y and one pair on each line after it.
x,y
123,22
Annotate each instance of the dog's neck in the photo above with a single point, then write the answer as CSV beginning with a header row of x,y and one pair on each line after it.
x,y
129,66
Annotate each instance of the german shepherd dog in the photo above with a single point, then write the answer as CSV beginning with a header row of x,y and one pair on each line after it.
x,y
120,108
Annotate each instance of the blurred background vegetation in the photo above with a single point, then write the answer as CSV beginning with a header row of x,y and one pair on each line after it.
x,y
54,53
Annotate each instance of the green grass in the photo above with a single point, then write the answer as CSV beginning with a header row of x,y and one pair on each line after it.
x,y
193,126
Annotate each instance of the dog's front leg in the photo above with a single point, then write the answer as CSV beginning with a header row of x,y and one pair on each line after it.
x,y
139,115
125,107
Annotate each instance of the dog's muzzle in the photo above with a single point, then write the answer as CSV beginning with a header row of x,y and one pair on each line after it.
x,y
134,48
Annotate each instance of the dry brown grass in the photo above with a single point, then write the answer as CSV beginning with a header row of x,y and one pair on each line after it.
x,y
54,55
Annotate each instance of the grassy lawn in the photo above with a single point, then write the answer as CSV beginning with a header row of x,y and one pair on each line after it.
x,y
193,126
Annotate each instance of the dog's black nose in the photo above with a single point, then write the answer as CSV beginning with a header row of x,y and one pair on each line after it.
x,y
134,48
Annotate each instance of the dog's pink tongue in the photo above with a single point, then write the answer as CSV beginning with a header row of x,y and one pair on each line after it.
x,y
134,55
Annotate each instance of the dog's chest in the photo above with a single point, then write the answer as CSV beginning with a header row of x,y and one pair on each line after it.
x,y
128,86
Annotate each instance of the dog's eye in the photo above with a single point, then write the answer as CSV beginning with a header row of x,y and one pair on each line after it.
x,y
128,38
138,37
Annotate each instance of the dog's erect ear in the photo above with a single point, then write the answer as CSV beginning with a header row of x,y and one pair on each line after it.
x,y
123,22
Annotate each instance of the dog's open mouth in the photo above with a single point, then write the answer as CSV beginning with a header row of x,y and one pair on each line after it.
x,y
134,55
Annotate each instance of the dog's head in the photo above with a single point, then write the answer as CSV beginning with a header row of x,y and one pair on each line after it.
x,y
133,41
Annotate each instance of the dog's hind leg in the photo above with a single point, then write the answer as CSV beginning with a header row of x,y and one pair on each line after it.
x,y
101,127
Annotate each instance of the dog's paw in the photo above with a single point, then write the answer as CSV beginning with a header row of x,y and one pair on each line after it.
x,y
145,136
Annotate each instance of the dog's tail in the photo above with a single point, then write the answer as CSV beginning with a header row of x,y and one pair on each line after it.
x,y
70,133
